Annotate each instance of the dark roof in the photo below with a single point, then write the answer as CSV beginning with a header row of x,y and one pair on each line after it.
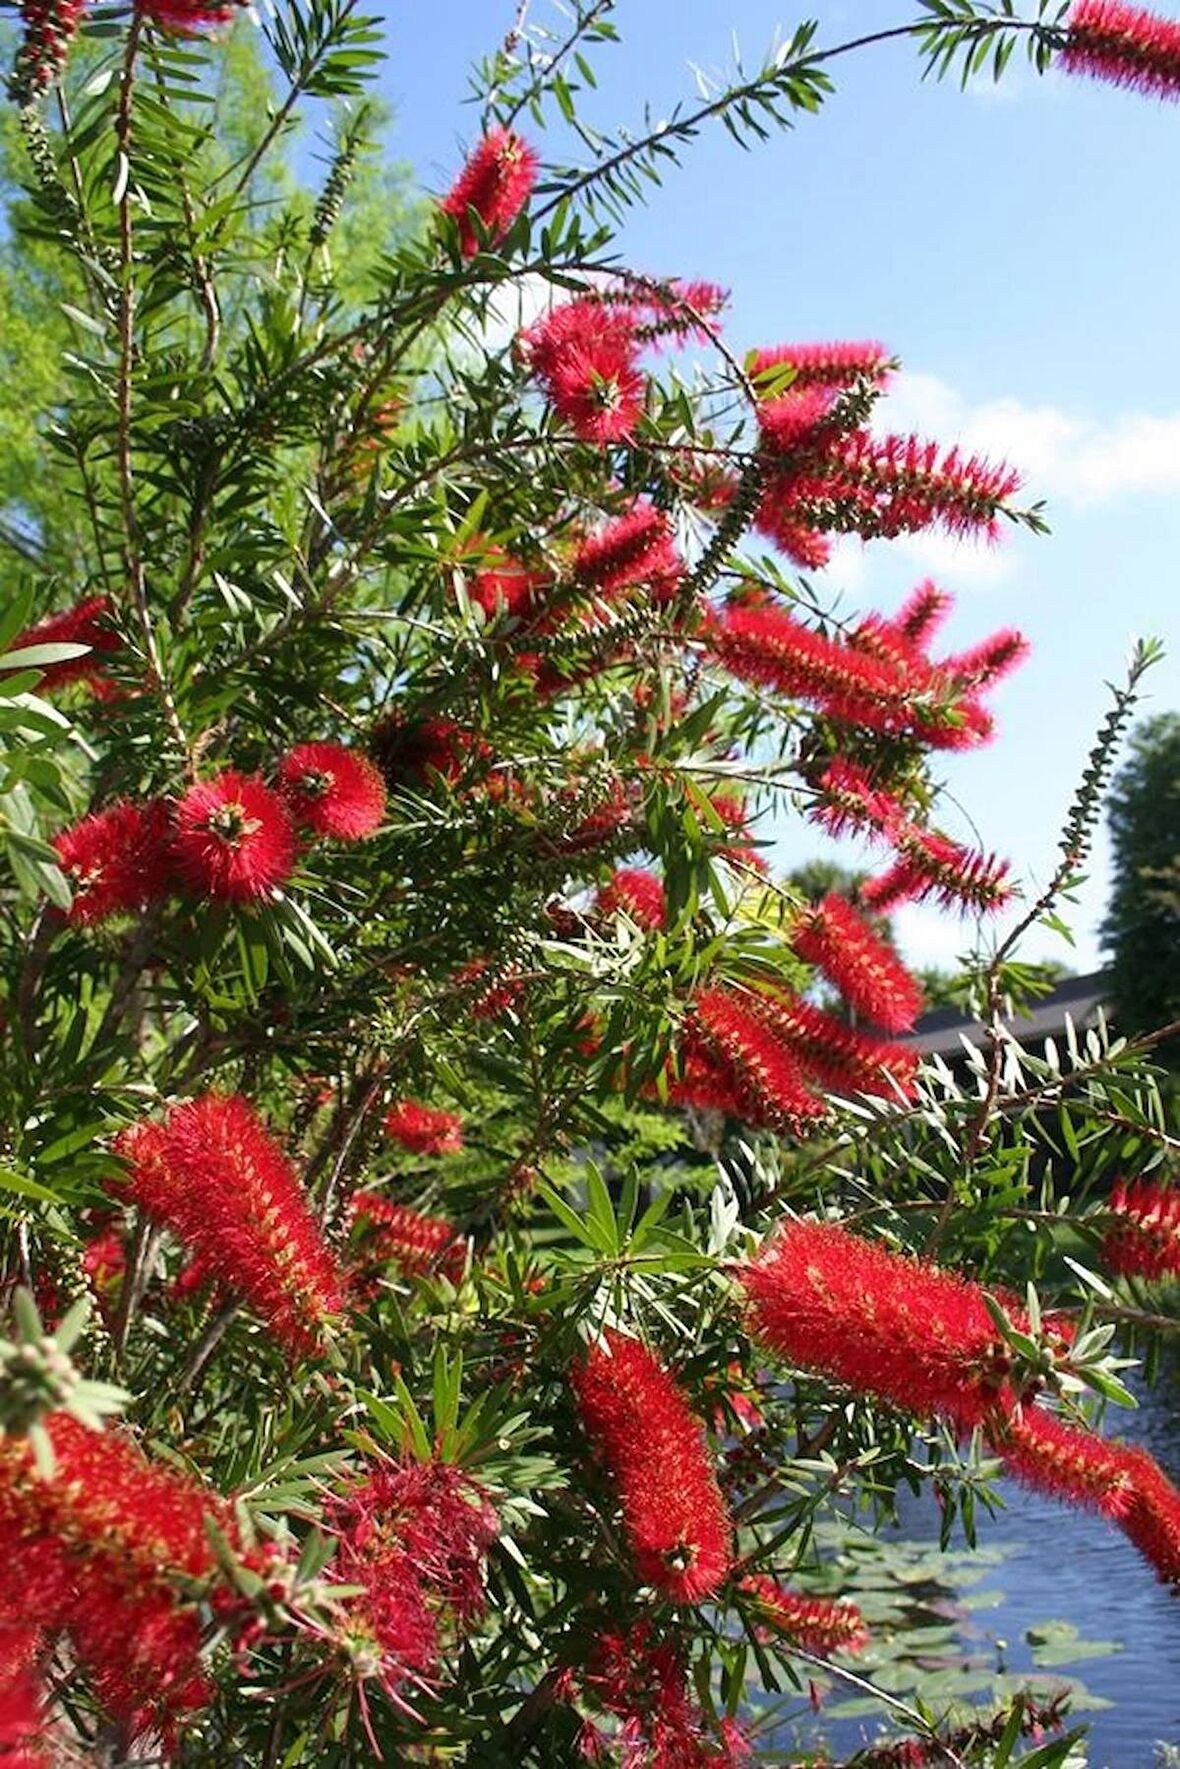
x,y
941,1033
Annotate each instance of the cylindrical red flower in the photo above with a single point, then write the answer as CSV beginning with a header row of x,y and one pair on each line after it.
x,y
1122,1481
881,1323
867,971
214,1175
1144,1239
409,1239
84,624
1123,45
495,184
826,365
767,1077
106,1539
233,838
586,354
637,893
117,860
424,1130
187,15
839,1058
930,864
635,549
333,791
654,1449
818,1624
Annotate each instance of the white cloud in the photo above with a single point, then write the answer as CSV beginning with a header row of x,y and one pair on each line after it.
x,y
1068,456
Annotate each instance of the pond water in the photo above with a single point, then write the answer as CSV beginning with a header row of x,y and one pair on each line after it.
x,y
1058,1565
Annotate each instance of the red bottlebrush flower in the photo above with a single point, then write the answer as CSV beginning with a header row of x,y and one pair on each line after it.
x,y
817,1623
704,1081
851,802
84,624
495,185
506,586
635,549
214,1175
586,354
412,752
638,893
1121,1481
922,613
769,647
410,1240
867,971
233,838
50,26
826,365
881,1323
913,485
989,661
930,864
1144,1240
414,1536
333,790
107,1536
767,1076
654,1448
22,1716
423,1129
1123,45
642,1680
187,15
838,1057
795,420
117,860
805,547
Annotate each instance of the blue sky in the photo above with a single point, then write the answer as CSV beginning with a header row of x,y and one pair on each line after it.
x,y
1018,250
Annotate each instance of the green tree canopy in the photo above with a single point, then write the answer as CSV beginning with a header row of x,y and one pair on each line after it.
x,y
1142,927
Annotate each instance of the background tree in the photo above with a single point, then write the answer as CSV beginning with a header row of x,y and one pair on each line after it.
x,y
1142,927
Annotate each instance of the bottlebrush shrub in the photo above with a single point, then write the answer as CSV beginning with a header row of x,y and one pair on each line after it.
x,y
408,1047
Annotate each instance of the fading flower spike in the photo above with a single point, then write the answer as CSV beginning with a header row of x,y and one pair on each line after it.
x,y
50,28
495,185
654,1449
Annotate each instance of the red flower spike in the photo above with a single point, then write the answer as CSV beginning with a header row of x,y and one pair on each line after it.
x,y
932,865
826,365
408,1239
643,1681
1121,1481
867,971
839,1058
1144,1240
989,661
50,26
901,484
214,1175
881,1323
637,893
586,354
506,586
654,1449
333,791
233,839
101,1542
414,1536
922,613
852,803
423,1130
84,624
770,648
117,860
816,1623
413,752
805,547
22,1716
796,420
635,549
767,1077
496,183
1124,46
187,15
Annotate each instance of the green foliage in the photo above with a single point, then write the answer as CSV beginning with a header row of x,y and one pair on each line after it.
x,y
1142,927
